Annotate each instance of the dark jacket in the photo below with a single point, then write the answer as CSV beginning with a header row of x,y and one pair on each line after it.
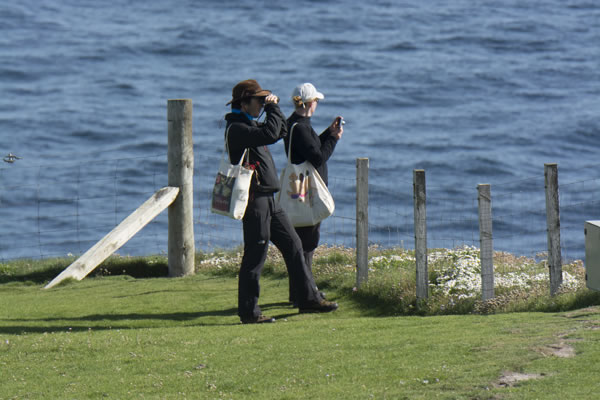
x,y
244,133
307,146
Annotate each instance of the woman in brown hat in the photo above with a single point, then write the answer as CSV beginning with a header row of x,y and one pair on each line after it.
x,y
264,219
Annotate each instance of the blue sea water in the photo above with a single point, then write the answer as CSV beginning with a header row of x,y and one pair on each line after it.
x,y
472,92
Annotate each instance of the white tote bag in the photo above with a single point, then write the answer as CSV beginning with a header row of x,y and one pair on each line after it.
x,y
303,195
230,193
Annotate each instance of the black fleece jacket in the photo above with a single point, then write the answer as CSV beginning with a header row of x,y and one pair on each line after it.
x,y
307,146
244,133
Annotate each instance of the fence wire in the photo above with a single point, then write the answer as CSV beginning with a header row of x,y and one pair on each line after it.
x,y
65,208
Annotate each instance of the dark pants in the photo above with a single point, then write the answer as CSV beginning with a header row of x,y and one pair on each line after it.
x,y
309,236
266,221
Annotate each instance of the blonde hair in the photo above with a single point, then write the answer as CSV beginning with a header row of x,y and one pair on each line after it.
x,y
298,101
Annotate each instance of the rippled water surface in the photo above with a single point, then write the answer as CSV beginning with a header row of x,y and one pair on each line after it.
x,y
472,92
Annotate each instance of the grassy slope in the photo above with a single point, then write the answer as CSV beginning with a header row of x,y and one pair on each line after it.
x,y
119,337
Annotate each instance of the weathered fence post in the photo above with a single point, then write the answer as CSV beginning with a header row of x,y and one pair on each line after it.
x,y
362,221
420,233
553,226
181,173
485,238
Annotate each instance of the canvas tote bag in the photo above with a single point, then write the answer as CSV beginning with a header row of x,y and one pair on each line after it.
x,y
230,193
303,195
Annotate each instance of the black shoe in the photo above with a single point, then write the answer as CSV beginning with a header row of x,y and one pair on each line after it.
x,y
261,319
294,303
322,306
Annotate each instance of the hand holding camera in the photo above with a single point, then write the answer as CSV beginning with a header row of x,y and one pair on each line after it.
x,y
337,127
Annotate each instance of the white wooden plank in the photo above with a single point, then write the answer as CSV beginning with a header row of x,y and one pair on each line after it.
x,y
118,236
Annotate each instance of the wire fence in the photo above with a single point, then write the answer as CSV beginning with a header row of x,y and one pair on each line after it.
x,y
61,209
65,208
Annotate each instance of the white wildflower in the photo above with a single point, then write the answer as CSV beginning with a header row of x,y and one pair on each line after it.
x,y
462,277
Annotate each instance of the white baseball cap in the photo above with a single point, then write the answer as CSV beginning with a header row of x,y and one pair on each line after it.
x,y
306,93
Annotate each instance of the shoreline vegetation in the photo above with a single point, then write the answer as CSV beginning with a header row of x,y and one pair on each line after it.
x,y
521,283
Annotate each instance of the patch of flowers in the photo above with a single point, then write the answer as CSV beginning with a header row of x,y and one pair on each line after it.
x,y
219,261
389,261
523,280
459,274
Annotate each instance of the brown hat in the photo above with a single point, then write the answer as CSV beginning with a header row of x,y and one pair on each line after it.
x,y
246,89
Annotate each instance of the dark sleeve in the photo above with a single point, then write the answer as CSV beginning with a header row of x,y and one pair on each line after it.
x,y
309,147
328,142
274,128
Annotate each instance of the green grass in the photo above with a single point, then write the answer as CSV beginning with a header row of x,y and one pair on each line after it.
x,y
116,336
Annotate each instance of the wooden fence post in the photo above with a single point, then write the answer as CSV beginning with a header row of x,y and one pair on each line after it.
x,y
181,174
553,227
362,221
485,238
420,233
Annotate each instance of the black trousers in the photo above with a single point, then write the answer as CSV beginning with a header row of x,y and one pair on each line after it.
x,y
309,236
266,221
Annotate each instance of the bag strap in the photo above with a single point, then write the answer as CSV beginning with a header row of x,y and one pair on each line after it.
x,y
290,144
226,148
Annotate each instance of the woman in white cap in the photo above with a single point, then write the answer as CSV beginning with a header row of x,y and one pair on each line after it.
x,y
308,146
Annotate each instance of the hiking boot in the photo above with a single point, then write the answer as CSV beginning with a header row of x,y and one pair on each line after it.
x,y
322,306
295,303
261,319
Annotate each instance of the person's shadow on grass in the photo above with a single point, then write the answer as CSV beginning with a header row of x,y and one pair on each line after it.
x,y
96,322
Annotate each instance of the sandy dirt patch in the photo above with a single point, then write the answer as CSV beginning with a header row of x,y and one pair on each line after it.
x,y
509,379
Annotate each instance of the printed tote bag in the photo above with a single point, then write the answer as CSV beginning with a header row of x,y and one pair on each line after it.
x,y
230,193
303,195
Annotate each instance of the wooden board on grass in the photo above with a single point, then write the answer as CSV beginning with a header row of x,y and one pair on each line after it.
x,y
118,236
